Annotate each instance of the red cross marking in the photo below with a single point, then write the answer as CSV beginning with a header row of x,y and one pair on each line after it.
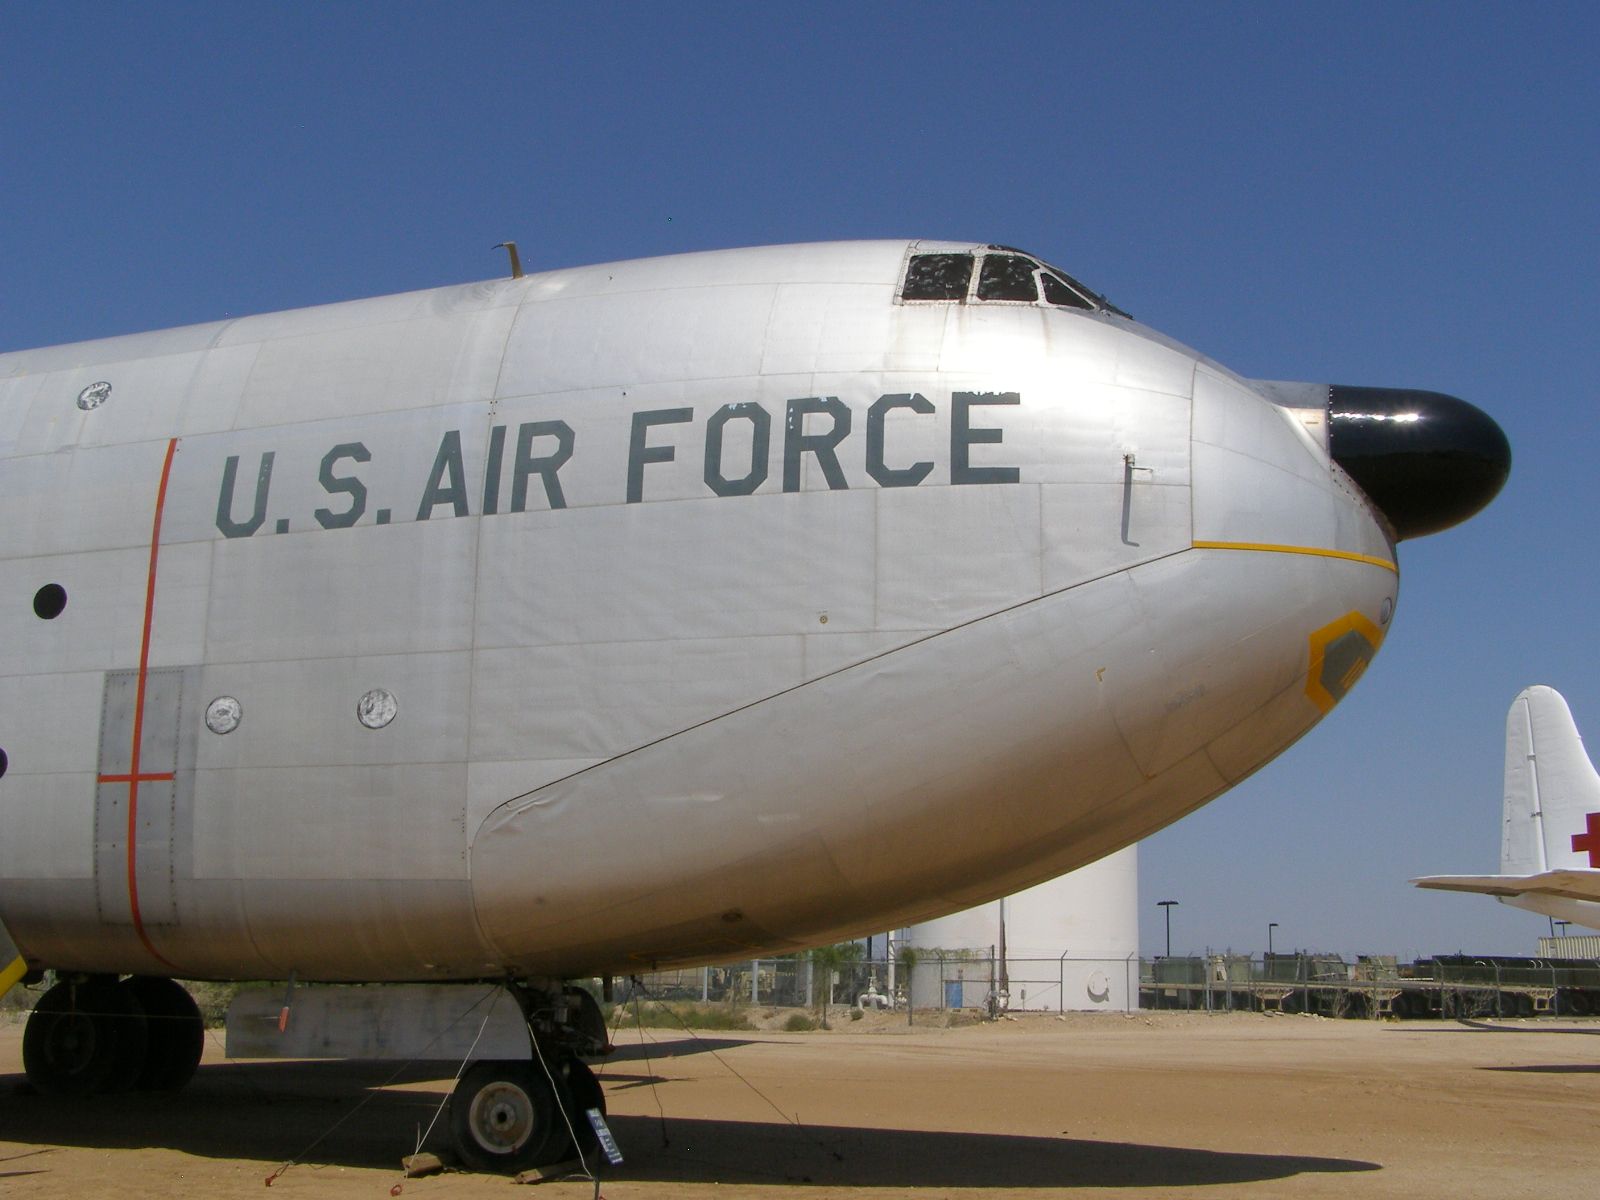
x,y
1590,840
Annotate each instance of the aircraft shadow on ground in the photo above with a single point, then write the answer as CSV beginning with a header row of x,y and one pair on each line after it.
x,y
671,1048
1551,1069
1466,1025
274,1112
771,1153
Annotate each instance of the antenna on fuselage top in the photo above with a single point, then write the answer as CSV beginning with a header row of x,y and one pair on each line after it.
x,y
516,259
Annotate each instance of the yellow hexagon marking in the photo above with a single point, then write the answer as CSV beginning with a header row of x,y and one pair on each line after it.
x,y
1340,653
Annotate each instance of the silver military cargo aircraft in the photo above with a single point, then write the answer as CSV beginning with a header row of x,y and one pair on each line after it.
x,y
660,612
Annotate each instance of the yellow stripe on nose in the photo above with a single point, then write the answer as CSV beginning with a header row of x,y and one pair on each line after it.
x,y
1315,551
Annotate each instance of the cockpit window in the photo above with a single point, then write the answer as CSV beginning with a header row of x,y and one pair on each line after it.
x,y
1057,292
1007,277
1095,300
938,277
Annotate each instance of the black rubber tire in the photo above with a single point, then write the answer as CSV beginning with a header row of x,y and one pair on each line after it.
x,y
503,1118
127,1029
82,1038
177,1034
583,1093
64,1051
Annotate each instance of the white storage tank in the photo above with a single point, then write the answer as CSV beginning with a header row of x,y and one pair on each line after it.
x,y
1070,945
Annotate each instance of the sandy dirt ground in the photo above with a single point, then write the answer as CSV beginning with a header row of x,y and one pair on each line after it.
x,y
1153,1104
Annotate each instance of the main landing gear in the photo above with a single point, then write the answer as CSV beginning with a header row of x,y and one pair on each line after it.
x,y
508,1115
91,1034
100,1035
512,1114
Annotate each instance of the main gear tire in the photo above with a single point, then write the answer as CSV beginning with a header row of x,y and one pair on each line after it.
x,y
176,1032
503,1118
83,1037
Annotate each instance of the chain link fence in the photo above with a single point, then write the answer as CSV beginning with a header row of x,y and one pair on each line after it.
x,y
977,981
938,980
1454,986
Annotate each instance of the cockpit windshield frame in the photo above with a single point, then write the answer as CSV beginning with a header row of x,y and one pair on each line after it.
x,y
934,277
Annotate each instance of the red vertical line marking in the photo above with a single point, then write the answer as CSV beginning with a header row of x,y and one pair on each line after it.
x,y
138,710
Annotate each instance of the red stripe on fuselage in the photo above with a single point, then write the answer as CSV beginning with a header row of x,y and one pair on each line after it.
x,y
133,777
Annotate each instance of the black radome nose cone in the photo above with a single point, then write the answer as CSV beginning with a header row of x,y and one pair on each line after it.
x,y
1426,460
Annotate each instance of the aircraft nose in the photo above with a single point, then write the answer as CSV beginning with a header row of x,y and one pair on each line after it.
x,y
1426,460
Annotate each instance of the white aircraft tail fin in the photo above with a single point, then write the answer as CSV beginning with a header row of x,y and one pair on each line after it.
x,y
1552,791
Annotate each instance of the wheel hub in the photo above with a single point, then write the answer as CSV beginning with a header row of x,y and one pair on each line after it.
x,y
502,1118
70,1045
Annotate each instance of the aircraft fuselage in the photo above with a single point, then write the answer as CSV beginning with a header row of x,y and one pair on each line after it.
x,y
657,612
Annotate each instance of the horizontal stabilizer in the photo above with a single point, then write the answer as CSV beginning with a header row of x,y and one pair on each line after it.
x,y
1565,885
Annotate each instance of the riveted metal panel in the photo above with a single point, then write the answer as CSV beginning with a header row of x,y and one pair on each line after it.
x,y
401,822
92,499
711,568
97,630
599,699
832,327
49,827
116,722
142,405
701,333
376,591
311,705
948,554
161,783
432,360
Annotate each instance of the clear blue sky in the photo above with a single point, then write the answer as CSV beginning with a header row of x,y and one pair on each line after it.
x,y
1405,195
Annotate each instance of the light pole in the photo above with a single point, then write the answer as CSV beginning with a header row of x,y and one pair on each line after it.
x,y
1560,927
1271,925
1167,906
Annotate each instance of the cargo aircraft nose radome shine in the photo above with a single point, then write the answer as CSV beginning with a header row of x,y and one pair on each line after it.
x,y
659,612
